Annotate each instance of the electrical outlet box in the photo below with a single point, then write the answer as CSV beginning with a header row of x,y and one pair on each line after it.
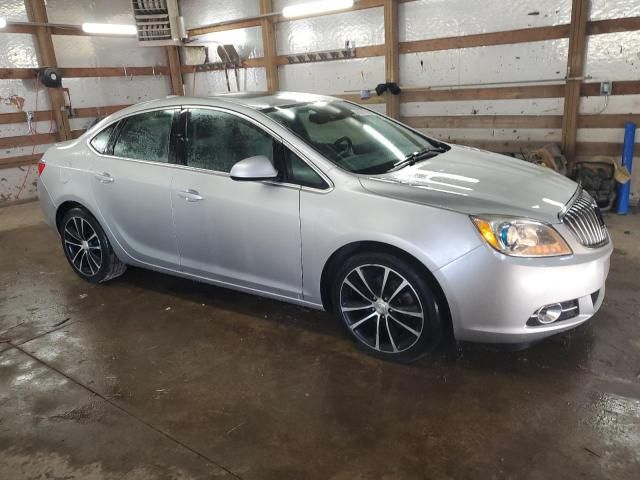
x,y
605,89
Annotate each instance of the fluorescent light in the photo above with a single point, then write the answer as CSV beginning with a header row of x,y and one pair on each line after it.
x,y
109,28
316,7
3,22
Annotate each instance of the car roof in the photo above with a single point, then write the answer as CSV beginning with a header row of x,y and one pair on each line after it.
x,y
247,100
262,100
253,100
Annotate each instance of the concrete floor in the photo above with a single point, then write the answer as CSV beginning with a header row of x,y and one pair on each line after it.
x,y
155,377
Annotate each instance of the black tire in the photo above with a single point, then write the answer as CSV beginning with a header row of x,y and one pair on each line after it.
x,y
388,334
95,260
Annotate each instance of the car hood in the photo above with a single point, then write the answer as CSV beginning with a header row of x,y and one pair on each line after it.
x,y
472,181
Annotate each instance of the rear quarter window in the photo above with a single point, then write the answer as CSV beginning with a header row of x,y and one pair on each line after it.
x,y
101,140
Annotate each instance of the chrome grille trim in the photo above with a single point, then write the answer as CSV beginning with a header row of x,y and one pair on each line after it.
x,y
584,220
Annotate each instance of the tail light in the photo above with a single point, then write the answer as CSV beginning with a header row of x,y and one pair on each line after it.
x,y
41,166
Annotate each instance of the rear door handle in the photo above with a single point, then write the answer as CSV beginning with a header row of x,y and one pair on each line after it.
x,y
104,177
190,195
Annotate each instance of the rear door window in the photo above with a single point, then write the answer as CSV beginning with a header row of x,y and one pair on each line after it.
x,y
145,136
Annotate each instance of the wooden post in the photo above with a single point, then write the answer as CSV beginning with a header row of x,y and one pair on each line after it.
x,y
37,12
175,71
269,46
391,55
575,69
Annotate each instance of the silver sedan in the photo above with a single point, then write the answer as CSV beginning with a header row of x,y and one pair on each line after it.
x,y
320,202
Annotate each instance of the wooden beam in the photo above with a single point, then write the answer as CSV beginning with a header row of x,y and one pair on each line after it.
x,y
486,39
626,87
221,27
257,21
518,121
21,117
508,37
36,139
37,12
89,112
20,161
87,72
575,68
360,52
27,140
175,71
482,93
587,149
269,47
45,115
247,63
410,95
607,121
485,121
11,28
391,56
613,25
18,73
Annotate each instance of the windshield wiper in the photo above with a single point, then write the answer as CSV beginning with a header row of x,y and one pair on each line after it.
x,y
414,157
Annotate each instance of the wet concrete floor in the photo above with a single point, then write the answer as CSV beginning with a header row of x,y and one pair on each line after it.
x,y
151,376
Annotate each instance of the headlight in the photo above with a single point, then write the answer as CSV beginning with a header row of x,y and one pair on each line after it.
x,y
520,237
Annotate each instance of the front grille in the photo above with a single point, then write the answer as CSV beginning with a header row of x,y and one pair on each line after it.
x,y
584,219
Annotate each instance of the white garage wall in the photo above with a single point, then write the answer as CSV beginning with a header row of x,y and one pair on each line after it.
x,y
204,12
426,19
364,27
607,55
17,50
71,51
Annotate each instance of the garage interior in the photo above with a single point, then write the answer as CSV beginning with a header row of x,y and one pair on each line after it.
x,y
152,376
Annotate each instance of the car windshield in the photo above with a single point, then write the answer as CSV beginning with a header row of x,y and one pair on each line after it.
x,y
354,138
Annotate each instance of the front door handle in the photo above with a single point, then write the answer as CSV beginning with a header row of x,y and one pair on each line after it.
x,y
104,177
190,195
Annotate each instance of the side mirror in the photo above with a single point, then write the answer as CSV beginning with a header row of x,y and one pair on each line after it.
x,y
253,169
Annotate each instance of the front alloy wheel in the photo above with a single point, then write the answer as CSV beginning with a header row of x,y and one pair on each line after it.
x,y
387,307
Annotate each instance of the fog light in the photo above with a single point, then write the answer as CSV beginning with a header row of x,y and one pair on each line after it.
x,y
549,313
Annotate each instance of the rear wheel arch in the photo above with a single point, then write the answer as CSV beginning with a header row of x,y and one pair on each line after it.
x,y
86,245
338,257
65,207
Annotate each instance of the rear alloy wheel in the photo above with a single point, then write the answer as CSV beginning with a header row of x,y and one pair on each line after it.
x,y
87,248
387,308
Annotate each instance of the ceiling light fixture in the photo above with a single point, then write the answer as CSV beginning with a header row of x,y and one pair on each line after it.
x,y
109,29
312,8
3,22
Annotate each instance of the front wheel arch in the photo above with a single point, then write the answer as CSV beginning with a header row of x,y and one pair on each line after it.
x,y
346,251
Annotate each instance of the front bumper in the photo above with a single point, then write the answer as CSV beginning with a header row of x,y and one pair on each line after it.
x,y
492,296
